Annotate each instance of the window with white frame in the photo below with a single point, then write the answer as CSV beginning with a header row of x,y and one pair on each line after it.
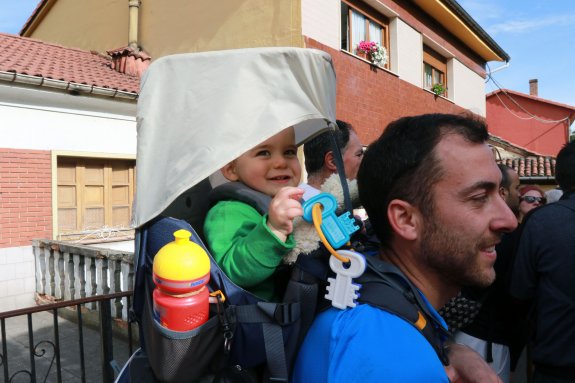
x,y
360,22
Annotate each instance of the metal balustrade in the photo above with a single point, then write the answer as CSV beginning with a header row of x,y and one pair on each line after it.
x,y
91,287
50,351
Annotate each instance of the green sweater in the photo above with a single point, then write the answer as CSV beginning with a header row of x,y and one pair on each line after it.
x,y
244,247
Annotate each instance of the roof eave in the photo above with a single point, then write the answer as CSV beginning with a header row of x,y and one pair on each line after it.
x,y
69,86
457,21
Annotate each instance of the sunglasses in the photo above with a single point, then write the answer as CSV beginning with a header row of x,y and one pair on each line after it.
x,y
531,199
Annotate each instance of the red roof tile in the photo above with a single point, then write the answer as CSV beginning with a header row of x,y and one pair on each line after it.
x,y
532,167
33,57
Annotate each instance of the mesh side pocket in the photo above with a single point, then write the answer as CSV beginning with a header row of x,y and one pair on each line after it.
x,y
181,356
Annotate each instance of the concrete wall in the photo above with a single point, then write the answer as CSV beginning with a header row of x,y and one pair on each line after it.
x,y
17,282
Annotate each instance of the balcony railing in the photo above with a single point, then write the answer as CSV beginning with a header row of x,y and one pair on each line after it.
x,y
48,359
66,271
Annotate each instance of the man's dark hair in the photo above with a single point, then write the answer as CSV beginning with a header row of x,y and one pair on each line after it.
x,y
316,149
565,167
505,179
401,164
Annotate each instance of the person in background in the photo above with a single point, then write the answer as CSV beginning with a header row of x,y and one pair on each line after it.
x,y
543,273
319,157
531,196
490,332
430,187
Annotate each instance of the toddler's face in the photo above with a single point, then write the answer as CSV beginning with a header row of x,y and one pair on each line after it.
x,y
269,166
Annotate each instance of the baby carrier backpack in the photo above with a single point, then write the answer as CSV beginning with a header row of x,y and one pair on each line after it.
x,y
247,339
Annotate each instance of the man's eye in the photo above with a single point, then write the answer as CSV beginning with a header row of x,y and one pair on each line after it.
x,y
480,198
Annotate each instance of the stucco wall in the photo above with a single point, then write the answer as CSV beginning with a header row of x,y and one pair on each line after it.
x,y
203,25
468,88
320,21
512,123
86,24
176,26
43,120
408,55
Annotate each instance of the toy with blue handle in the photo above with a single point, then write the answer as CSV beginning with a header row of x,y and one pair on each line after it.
x,y
337,229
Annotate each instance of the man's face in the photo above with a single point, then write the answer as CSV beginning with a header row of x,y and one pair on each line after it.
x,y
468,216
511,195
352,156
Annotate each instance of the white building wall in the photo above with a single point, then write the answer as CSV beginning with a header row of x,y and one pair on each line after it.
x,y
407,52
41,120
466,88
38,119
321,21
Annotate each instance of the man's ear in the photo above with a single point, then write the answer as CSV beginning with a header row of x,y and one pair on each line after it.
x,y
503,192
329,161
229,171
404,218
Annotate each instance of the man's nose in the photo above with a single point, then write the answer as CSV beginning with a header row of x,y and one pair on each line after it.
x,y
504,220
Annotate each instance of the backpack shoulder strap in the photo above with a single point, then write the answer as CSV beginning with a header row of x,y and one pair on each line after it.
x,y
237,191
385,286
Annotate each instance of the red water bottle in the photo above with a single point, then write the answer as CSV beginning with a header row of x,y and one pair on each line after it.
x,y
181,271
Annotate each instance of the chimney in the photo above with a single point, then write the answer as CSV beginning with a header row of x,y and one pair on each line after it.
x,y
533,88
129,61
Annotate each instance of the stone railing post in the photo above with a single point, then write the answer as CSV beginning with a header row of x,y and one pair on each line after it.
x,y
66,271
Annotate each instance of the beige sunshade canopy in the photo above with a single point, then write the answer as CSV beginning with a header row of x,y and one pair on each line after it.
x,y
198,111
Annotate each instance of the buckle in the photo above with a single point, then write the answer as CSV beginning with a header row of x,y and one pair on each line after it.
x,y
286,313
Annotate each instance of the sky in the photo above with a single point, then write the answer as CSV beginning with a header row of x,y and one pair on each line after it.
x,y
539,35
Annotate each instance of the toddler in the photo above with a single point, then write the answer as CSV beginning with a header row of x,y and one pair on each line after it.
x,y
247,246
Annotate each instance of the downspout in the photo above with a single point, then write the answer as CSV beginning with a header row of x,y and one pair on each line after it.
x,y
133,27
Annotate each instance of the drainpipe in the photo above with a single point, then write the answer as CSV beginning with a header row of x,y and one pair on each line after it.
x,y
133,27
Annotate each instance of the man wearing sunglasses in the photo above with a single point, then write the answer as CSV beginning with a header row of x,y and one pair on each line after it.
x,y
544,274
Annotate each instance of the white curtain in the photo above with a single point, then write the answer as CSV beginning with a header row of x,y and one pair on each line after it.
x,y
375,33
358,29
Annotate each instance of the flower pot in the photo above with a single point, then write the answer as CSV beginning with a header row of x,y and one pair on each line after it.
x,y
363,55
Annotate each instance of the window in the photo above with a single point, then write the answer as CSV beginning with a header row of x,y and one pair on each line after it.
x,y
434,70
94,197
360,24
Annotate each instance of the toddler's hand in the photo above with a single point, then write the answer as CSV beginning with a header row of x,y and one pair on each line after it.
x,y
284,207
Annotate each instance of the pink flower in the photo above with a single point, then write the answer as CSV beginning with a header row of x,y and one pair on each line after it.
x,y
366,46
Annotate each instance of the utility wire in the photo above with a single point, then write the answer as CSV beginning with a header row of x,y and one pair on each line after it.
x,y
532,116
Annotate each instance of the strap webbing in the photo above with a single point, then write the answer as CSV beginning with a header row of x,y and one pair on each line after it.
x,y
275,355
340,171
384,286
